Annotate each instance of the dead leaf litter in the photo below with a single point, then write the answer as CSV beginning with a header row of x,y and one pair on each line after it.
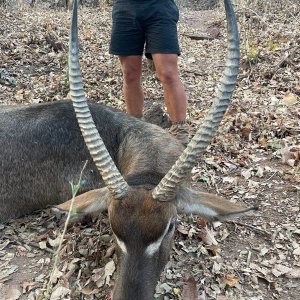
x,y
254,158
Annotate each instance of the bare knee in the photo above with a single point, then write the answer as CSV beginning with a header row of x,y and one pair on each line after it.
x,y
131,76
131,69
166,68
167,76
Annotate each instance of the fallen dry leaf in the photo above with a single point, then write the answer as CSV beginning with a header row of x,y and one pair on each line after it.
x,y
280,270
229,280
109,270
294,273
262,119
207,236
297,251
290,99
13,294
59,293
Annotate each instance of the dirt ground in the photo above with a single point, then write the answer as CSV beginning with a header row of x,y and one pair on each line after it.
x,y
254,158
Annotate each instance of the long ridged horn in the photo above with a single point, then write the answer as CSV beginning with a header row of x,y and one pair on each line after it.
x,y
112,178
167,187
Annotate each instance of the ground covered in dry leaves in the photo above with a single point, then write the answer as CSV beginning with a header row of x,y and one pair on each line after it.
x,y
253,159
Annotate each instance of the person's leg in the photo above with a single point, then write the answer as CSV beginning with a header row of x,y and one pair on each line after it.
x,y
133,93
127,41
174,94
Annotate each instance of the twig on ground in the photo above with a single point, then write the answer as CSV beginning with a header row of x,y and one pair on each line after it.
x,y
56,259
195,72
199,37
248,258
271,176
287,58
251,227
283,61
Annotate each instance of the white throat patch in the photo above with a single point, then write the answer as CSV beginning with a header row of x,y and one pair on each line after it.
x,y
121,245
153,247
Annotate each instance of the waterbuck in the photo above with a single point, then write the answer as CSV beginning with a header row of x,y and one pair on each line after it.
x,y
144,181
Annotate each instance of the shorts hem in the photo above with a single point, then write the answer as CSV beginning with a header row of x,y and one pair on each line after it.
x,y
148,54
124,53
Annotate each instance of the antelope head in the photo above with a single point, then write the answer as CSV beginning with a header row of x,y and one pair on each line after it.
x,y
143,215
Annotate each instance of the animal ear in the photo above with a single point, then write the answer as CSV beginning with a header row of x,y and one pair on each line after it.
x,y
209,206
91,202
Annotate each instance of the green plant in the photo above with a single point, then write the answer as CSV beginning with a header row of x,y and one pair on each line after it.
x,y
252,55
272,46
75,188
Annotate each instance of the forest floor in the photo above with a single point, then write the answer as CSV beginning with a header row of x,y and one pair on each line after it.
x,y
253,159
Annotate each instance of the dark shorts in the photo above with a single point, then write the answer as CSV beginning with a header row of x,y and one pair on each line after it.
x,y
149,25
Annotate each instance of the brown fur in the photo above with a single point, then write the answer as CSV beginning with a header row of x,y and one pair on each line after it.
x,y
147,216
41,157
